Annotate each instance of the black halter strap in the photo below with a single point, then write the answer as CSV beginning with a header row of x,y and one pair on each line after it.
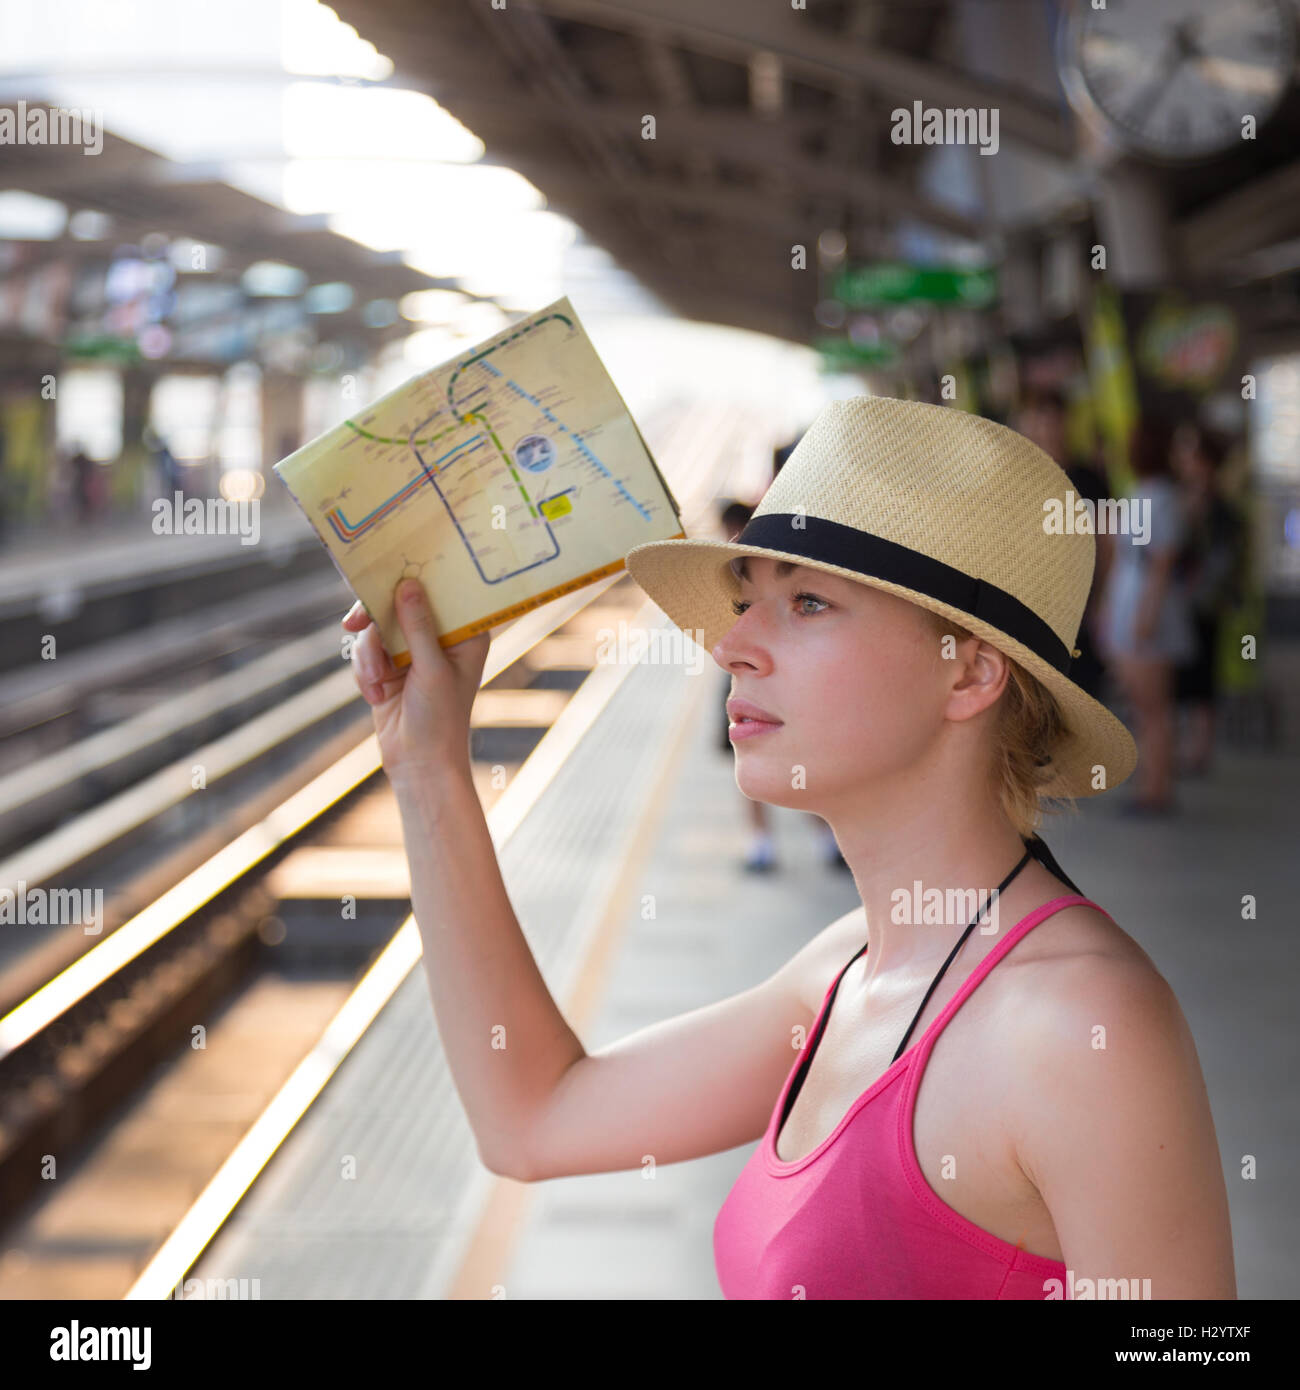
x,y
1044,856
1034,848
1028,855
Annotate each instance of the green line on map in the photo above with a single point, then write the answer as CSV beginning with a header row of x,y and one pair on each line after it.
x,y
461,420
506,459
382,439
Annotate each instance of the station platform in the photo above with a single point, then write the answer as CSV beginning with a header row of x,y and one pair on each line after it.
x,y
54,565
649,790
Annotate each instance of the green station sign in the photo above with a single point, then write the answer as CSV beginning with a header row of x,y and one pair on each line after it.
x,y
895,282
103,345
844,354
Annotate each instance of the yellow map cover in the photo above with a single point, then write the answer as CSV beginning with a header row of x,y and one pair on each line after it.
x,y
509,475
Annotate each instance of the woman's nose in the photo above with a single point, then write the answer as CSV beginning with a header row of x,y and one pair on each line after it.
x,y
742,643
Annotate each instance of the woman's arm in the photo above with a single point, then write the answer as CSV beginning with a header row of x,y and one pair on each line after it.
x,y
539,1105
506,1041
1114,1129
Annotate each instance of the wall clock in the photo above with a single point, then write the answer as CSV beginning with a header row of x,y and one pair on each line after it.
x,y
1173,80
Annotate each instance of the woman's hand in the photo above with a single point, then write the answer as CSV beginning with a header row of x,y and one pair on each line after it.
x,y
421,711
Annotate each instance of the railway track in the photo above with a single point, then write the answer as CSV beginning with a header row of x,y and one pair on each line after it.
x,y
138,1068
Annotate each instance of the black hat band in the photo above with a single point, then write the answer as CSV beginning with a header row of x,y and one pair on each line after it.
x,y
832,543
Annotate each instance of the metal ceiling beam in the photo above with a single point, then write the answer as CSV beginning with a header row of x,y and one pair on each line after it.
x,y
530,43
142,192
749,300
570,190
1260,212
738,136
765,146
564,137
862,193
821,57
733,309
469,103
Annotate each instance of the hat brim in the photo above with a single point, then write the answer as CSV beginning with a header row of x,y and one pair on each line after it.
x,y
692,582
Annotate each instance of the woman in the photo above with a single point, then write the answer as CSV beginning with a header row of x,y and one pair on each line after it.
x,y
1147,622
898,640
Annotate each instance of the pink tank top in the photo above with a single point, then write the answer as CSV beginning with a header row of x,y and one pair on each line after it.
x,y
856,1218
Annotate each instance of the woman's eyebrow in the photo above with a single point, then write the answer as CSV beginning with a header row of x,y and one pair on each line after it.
x,y
783,568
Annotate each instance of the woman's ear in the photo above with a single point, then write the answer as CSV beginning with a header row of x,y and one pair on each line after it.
x,y
981,677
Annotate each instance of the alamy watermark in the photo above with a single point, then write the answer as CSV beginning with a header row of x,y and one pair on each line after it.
x,y
52,907
1072,1288
945,907
947,125
224,1290
74,1342
1110,516
656,646
52,125
179,515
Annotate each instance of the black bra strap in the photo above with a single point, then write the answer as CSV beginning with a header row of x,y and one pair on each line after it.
x,y
952,954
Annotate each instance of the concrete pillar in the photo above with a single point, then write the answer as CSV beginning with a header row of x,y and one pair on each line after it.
x,y
1133,222
282,411
1020,285
130,480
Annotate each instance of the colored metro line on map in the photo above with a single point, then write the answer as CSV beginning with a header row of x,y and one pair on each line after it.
x,y
502,478
455,471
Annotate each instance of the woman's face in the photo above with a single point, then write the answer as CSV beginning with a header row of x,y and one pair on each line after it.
x,y
855,675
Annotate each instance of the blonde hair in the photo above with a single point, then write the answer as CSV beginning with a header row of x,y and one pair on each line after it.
x,y
1029,730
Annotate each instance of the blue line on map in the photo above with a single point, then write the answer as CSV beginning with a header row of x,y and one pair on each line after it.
x,y
523,569
352,525
581,443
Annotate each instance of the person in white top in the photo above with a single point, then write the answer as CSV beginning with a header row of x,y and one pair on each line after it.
x,y
1146,622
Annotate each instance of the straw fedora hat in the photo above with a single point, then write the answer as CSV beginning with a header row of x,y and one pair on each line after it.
x,y
943,509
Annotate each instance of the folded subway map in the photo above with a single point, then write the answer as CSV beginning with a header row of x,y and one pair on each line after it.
x,y
501,479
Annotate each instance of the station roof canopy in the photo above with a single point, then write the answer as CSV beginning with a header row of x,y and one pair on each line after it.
x,y
761,134
772,127
145,193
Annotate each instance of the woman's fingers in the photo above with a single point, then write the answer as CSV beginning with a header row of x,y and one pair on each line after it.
x,y
470,656
356,617
415,618
374,669
378,675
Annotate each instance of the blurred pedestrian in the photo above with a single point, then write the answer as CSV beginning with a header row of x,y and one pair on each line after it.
x,y
1213,565
4,485
1147,624
84,488
169,472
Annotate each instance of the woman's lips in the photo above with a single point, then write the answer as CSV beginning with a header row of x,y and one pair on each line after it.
x,y
749,728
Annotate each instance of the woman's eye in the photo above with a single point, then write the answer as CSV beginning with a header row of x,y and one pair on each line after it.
x,y
738,606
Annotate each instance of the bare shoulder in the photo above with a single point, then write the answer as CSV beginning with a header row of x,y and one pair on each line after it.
x,y
1088,987
815,965
1075,942
1107,1111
